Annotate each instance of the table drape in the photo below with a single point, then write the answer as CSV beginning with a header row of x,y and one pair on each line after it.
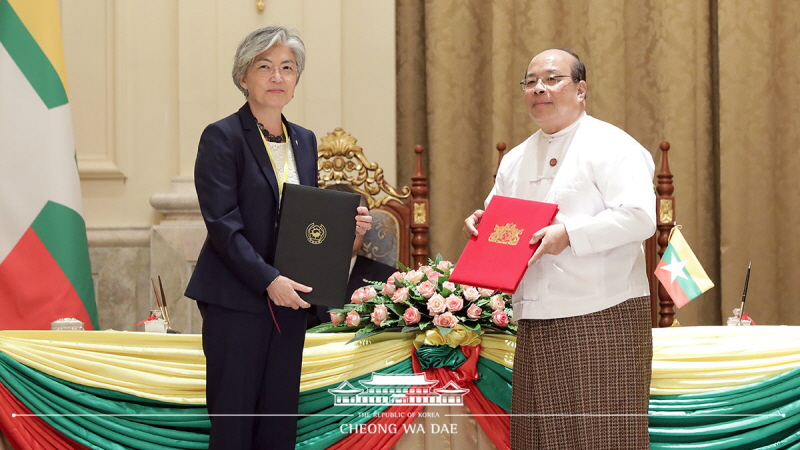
x,y
712,387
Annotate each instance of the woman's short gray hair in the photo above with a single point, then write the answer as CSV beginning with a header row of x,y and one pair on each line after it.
x,y
258,42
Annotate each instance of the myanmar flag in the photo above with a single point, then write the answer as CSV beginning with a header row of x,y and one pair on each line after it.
x,y
45,272
680,272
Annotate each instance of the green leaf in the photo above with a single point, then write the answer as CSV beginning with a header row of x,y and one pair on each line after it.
x,y
364,308
423,323
328,328
473,326
444,330
500,330
413,294
397,308
361,335
392,324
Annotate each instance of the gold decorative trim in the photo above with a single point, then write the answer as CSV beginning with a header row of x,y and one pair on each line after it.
x,y
507,234
340,160
316,233
420,213
666,210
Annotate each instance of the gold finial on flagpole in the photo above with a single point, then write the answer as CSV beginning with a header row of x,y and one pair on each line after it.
x,y
672,230
260,5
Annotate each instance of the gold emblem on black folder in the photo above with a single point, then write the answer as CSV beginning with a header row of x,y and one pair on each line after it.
x,y
316,233
506,235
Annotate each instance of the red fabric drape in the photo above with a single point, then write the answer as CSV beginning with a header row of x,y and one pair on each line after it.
x,y
398,415
495,422
29,432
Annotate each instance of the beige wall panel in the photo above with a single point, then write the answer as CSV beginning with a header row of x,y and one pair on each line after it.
x,y
127,105
89,50
368,69
147,76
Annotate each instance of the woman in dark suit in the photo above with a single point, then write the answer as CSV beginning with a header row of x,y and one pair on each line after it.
x,y
253,319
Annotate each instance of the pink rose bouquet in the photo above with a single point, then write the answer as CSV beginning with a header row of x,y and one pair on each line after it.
x,y
447,320
363,294
353,319
436,304
416,300
336,318
473,312
379,314
454,303
500,318
411,316
400,295
427,289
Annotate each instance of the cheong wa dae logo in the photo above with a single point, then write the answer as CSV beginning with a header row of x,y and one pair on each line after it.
x,y
398,389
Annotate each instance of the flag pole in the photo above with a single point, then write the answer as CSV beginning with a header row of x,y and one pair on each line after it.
x,y
672,231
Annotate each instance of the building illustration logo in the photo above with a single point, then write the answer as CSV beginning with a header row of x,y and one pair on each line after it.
x,y
398,389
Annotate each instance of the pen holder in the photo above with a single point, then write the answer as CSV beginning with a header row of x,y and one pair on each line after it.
x,y
155,324
67,323
737,320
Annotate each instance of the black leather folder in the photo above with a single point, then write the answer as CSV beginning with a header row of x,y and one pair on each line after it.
x,y
316,229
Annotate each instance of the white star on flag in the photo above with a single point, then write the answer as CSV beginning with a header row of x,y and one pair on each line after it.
x,y
675,268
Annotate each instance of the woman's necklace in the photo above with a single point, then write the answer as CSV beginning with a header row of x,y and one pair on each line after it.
x,y
270,137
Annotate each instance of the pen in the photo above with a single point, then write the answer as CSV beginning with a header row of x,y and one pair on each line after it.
x,y
744,294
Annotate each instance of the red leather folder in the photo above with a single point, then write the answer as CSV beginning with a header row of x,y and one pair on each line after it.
x,y
498,257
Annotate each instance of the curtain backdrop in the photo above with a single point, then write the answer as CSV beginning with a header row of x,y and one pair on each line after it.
x,y
716,81
759,86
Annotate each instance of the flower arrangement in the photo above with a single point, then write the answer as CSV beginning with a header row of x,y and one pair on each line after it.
x,y
417,300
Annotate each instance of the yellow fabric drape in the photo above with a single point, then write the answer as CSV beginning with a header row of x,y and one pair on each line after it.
x,y
328,359
697,359
171,368
716,79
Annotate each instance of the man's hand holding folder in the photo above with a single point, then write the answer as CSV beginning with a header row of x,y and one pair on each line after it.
x,y
553,239
515,231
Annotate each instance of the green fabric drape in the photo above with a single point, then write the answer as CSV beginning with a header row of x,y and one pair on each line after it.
x,y
99,418
495,382
321,428
435,356
760,414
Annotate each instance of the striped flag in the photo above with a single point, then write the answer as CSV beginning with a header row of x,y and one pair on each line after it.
x,y
45,273
680,272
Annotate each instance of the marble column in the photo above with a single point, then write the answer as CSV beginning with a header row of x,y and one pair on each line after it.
x,y
120,266
174,245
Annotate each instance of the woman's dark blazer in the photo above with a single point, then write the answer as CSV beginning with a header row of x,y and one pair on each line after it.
x,y
238,195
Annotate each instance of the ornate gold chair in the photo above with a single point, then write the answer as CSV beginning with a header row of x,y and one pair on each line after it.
x,y
661,304
400,216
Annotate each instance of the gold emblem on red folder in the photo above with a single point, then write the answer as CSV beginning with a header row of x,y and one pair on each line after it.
x,y
507,234
316,233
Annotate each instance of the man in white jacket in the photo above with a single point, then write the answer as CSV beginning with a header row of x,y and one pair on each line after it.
x,y
584,345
